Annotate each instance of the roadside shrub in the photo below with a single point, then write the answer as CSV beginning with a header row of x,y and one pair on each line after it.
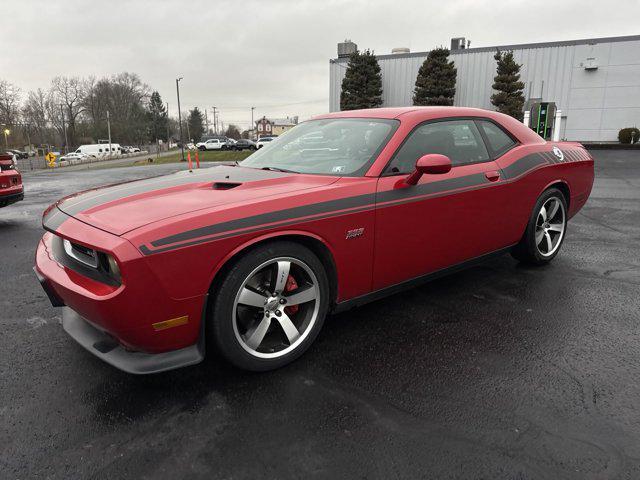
x,y
629,135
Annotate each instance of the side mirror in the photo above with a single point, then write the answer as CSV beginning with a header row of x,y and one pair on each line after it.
x,y
433,164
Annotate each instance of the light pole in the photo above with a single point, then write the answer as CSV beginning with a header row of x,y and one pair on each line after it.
x,y
6,134
252,124
215,121
180,116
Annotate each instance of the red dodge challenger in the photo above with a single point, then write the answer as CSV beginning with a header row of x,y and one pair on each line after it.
x,y
341,210
11,189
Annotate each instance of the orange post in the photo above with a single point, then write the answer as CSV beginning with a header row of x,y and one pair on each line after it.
x,y
197,160
189,160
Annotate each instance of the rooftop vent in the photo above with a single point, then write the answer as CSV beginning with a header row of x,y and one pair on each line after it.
x,y
399,50
459,43
346,48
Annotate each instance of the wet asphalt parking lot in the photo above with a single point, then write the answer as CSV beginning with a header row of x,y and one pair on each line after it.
x,y
498,372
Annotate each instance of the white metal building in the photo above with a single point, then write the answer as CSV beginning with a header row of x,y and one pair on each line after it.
x,y
595,82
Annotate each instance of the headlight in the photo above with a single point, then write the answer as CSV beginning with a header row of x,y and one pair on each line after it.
x,y
113,268
104,264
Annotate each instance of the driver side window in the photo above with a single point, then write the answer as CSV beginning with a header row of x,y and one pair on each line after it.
x,y
459,140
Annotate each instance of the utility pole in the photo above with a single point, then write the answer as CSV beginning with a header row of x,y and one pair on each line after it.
x,y
64,129
109,132
215,121
206,122
180,116
168,130
252,124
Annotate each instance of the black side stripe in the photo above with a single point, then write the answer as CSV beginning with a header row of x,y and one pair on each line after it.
x,y
337,207
146,251
317,211
271,217
525,164
474,180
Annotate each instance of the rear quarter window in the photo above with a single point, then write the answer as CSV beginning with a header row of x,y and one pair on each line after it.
x,y
499,141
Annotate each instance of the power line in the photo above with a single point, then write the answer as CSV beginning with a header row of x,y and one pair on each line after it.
x,y
274,105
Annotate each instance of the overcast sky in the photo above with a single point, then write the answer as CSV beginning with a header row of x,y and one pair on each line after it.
x,y
273,54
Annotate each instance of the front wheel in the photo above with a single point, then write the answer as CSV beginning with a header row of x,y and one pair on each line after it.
x,y
545,231
270,306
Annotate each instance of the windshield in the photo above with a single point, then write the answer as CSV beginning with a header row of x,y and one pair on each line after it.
x,y
333,146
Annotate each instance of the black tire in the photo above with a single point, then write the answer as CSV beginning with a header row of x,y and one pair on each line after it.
x,y
202,149
528,250
222,321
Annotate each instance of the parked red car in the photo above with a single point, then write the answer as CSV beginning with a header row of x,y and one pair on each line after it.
x,y
11,190
344,209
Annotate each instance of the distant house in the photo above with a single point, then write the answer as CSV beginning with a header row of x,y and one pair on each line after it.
x,y
275,126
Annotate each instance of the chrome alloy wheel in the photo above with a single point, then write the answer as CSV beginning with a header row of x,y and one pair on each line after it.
x,y
276,307
550,226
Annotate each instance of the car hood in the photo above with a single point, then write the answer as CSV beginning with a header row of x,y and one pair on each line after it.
x,y
121,208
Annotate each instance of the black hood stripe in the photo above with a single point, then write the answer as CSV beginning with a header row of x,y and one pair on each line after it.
x,y
52,220
100,196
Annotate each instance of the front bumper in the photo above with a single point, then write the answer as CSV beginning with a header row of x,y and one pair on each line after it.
x,y
130,315
103,346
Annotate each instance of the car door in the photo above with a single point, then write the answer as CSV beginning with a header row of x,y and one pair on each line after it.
x,y
445,219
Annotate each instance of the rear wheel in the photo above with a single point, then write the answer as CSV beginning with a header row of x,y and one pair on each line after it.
x,y
270,306
545,231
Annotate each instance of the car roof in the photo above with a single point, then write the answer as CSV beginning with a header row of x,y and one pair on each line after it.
x,y
421,114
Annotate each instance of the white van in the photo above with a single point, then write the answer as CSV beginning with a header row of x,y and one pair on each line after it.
x,y
100,149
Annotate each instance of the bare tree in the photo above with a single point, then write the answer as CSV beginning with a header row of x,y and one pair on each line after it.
x,y
34,114
9,103
84,103
69,93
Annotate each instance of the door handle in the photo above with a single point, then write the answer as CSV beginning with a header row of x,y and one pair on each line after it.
x,y
492,176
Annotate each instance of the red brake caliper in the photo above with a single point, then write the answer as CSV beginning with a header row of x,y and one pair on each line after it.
x,y
290,287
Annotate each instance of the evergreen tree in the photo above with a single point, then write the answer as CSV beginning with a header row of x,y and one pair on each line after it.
x,y
436,81
157,115
509,96
362,83
196,124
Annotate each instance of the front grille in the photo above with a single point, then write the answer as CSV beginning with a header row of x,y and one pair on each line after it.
x,y
80,253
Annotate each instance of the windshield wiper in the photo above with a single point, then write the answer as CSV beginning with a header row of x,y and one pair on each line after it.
x,y
278,169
